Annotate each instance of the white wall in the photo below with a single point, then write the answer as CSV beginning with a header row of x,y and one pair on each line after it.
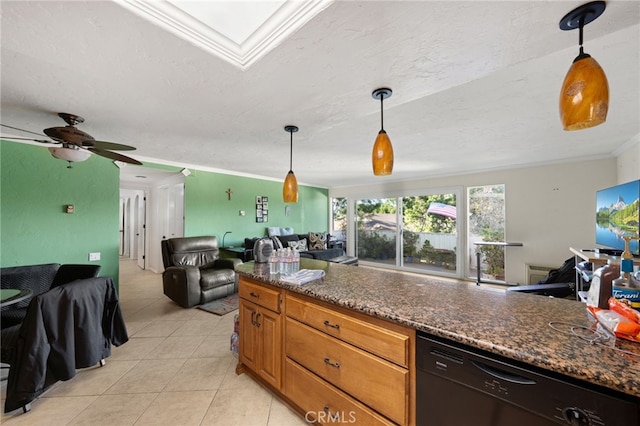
x,y
548,208
628,163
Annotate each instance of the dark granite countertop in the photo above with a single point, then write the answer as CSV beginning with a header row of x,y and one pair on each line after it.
x,y
514,325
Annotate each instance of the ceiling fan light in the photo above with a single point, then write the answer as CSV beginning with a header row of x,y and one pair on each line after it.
x,y
382,155
584,97
290,188
73,155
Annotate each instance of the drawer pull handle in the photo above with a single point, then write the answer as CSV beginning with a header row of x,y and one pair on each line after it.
x,y
328,324
253,318
258,320
254,295
333,364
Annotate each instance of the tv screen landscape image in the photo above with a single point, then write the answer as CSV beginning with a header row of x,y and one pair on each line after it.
x,y
617,215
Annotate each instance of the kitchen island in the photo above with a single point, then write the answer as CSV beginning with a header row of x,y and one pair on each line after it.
x,y
530,329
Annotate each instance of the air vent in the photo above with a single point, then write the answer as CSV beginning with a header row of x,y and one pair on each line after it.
x,y
536,273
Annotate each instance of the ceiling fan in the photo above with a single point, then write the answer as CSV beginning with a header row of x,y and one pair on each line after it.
x,y
76,145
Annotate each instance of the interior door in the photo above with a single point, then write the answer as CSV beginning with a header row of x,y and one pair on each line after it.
x,y
176,217
140,229
170,208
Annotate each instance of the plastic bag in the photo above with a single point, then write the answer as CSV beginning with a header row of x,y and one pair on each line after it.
x,y
617,324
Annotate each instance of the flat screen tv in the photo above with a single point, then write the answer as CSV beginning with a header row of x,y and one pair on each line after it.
x,y
618,214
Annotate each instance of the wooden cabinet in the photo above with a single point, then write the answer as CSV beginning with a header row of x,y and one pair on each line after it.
x,y
332,364
355,361
261,330
324,403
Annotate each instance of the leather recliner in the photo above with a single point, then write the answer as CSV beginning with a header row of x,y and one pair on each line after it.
x,y
194,274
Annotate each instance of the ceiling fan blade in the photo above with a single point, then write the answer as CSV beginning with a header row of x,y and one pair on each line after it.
x,y
68,134
107,145
22,130
29,139
114,156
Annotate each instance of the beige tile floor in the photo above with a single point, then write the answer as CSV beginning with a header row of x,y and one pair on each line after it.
x,y
176,369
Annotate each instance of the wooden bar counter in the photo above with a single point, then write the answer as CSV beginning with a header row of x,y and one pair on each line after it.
x,y
352,335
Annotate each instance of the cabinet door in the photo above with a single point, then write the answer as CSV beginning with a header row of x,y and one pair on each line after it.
x,y
269,331
248,334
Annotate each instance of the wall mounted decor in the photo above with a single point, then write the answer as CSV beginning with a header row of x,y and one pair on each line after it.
x,y
262,208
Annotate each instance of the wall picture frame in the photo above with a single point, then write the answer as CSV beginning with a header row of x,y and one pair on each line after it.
x,y
262,208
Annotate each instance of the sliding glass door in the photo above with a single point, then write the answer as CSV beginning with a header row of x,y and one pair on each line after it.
x,y
412,232
429,233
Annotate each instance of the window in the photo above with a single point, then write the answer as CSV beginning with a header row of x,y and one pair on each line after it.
x,y
376,230
429,233
486,223
339,222
417,233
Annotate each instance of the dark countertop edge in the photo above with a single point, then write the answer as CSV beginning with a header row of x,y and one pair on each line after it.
x,y
626,387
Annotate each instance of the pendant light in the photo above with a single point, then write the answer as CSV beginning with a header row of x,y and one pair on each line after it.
x,y
382,155
584,97
290,188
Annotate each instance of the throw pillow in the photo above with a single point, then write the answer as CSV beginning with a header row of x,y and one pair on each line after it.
x,y
285,239
273,231
300,245
249,242
286,231
317,241
277,245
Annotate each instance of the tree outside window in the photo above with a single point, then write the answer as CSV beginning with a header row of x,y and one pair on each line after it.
x,y
486,223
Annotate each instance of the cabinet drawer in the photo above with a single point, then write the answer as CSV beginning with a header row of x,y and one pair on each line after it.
x,y
324,403
378,383
259,294
378,340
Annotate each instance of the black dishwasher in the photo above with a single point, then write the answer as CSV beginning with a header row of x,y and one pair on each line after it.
x,y
457,385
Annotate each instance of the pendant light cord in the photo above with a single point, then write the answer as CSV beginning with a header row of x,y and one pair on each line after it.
x,y
580,28
381,113
291,152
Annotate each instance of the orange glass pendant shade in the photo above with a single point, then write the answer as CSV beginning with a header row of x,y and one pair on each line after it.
x,y
290,188
584,97
382,155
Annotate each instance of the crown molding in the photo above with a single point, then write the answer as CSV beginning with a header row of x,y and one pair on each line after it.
x,y
288,18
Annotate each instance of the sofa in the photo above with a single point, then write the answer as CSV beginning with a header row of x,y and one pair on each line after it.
x,y
194,273
313,245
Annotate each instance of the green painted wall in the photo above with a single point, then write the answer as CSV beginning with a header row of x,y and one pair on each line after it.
x,y
35,187
34,228
209,211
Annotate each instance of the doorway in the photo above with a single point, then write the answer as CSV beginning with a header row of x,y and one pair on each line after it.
x,y
151,209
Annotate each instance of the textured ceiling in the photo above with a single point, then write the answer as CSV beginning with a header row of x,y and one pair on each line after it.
x,y
475,87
